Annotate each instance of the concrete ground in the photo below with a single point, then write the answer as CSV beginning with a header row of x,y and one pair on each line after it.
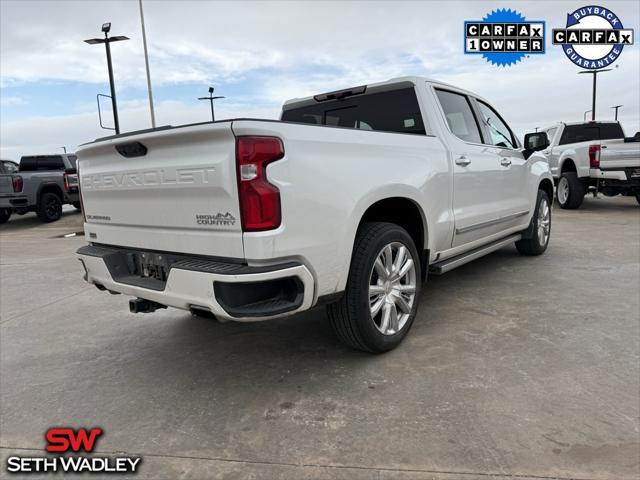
x,y
516,367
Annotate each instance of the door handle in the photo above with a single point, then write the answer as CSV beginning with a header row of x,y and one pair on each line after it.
x,y
505,162
462,161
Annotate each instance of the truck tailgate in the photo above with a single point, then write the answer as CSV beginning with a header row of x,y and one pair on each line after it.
x,y
616,154
6,184
170,190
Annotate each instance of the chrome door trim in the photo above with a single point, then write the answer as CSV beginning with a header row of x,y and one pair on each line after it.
x,y
491,222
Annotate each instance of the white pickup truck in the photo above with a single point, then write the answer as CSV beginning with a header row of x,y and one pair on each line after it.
x,y
592,156
348,200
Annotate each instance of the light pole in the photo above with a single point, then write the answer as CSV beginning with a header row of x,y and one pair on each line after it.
x,y
593,97
616,108
584,115
107,40
64,148
211,98
146,63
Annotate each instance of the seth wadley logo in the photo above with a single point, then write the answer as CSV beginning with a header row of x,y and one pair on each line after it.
x,y
593,37
66,440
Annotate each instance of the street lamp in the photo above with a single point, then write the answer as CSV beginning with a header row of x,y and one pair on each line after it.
x,y
211,98
584,115
617,107
106,27
593,100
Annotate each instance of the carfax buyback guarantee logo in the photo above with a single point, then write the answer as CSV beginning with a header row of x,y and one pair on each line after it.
x,y
593,37
504,37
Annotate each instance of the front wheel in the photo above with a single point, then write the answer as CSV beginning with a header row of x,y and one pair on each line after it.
x,y
5,215
381,298
539,228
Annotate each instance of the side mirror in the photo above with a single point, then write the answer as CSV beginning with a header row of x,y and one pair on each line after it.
x,y
534,142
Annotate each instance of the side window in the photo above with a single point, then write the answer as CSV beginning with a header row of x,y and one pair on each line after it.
x,y
9,167
460,118
499,133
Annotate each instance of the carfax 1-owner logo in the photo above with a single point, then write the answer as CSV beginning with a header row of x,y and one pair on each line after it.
x,y
593,37
504,37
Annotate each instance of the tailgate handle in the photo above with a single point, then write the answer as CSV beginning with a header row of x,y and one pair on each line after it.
x,y
131,149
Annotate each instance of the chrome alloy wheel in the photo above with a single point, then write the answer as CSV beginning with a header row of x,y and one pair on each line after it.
x,y
544,221
392,288
563,190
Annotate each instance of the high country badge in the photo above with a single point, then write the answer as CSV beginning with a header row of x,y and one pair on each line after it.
x,y
504,37
593,37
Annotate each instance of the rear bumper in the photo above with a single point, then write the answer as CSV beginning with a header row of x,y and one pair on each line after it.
x,y
13,201
230,290
621,175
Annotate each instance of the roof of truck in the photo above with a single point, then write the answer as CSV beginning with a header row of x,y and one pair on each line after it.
x,y
390,84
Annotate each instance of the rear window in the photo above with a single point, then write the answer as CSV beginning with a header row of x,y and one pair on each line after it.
x,y
394,111
72,160
591,131
44,162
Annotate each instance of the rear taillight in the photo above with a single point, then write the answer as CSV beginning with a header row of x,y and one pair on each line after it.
x,y
594,156
18,183
259,199
65,179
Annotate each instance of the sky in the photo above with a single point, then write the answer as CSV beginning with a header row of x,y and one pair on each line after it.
x,y
258,54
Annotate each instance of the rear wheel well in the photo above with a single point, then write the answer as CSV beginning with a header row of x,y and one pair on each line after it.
x,y
568,166
51,189
404,213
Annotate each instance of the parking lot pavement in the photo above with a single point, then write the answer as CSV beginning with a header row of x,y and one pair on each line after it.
x,y
525,367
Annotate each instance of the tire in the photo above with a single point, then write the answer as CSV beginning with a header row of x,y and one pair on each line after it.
x,y
540,228
638,198
49,207
395,299
77,206
570,191
5,215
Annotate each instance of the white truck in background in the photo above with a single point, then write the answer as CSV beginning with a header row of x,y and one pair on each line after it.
x,y
348,200
592,157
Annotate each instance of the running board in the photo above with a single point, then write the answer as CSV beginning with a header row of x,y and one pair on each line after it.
x,y
449,264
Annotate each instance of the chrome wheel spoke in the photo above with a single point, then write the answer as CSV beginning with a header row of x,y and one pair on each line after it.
x,y
405,268
375,290
388,259
408,289
377,305
380,270
400,258
386,318
394,324
402,303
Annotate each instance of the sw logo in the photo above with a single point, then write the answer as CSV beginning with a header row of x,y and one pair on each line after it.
x,y
593,37
504,37
64,440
